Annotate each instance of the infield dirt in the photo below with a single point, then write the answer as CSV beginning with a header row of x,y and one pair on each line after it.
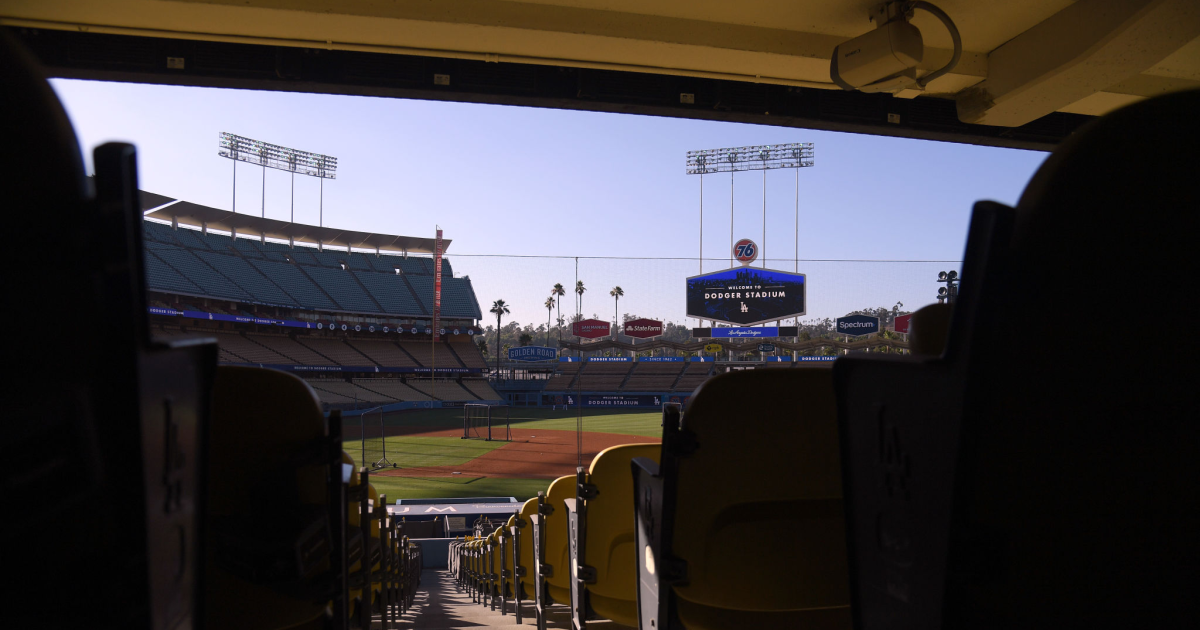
x,y
538,454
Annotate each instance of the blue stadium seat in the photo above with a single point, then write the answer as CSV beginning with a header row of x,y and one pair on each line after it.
x,y
358,260
343,288
390,291
295,283
161,277
189,238
202,275
247,277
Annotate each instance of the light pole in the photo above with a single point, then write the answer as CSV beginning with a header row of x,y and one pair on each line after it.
x,y
949,293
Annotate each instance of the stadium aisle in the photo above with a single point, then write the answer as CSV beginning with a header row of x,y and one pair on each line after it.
x,y
439,605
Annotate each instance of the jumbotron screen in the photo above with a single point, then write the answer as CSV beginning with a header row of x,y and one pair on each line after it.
x,y
746,295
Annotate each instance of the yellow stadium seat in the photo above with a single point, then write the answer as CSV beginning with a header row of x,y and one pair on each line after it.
x,y
744,514
268,500
606,561
354,537
525,529
558,583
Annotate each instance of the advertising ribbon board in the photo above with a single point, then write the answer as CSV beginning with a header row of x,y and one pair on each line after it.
x,y
591,329
437,286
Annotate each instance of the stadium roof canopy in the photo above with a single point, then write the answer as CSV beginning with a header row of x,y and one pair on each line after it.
x,y
204,217
1032,71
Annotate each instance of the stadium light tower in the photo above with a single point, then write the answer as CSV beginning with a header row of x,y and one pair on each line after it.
x,y
795,155
241,149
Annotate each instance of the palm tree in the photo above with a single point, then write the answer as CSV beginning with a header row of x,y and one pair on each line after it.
x,y
557,292
549,308
579,289
500,309
525,339
616,292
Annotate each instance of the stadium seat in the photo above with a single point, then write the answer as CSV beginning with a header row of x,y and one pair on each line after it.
x,y
269,521
601,522
1033,475
929,328
558,582
741,525
525,546
355,546
111,448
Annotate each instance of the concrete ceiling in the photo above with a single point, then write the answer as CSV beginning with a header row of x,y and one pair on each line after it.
x,y
1022,59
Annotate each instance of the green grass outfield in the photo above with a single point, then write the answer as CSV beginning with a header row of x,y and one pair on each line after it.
x,y
415,450
645,423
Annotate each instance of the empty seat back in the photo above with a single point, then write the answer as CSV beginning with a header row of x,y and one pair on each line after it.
x,y
268,524
557,551
609,548
759,510
1029,477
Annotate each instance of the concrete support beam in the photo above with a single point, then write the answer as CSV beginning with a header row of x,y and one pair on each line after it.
x,y
1079,51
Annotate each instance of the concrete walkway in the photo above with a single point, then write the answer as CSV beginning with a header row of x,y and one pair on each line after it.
x,y
440,605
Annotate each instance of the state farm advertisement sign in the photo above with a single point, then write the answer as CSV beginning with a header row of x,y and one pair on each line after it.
x,y
590,329
643,328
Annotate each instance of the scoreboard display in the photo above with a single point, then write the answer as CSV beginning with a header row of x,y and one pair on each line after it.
x,y
745,296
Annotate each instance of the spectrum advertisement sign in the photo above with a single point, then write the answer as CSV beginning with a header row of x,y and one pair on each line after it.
x,y
855,325
745,296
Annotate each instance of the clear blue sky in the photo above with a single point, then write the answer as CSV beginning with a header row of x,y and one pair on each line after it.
x,y
513,180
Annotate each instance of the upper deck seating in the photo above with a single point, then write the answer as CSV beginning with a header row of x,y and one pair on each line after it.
x,y
187,261
297,285
389,291
343,288
247,277
1043,485
756,452
200,274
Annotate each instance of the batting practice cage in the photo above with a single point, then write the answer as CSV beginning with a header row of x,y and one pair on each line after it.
x,y
374,444
480,419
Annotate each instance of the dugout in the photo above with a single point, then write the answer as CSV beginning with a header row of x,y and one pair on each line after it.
x,y
458,516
